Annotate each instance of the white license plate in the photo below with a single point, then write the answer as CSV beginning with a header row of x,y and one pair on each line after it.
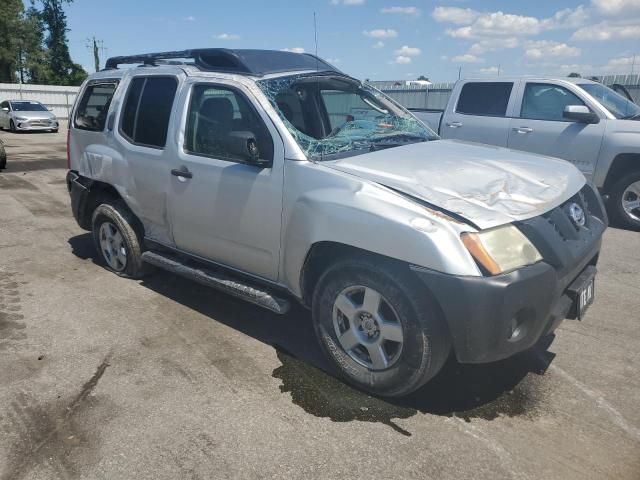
x,y
585,297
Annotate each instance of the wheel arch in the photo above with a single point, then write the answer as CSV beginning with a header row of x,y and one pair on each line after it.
x,y
621,165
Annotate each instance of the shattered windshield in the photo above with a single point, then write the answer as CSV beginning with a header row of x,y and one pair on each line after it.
x,y
334,117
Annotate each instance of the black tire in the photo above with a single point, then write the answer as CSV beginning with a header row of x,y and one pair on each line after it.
x,y
12,126
615,203
3,158
118,214
426,343
54,131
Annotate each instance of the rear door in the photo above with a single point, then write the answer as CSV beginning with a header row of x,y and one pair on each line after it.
x,y
539,126
481,113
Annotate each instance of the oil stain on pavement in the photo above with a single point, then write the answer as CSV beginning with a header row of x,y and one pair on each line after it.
x,y
512,388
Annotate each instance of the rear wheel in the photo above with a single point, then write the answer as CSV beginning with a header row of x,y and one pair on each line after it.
x,y
625,201
118,243
382,332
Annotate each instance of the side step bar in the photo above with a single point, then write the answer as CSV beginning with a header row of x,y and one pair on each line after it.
x,y
218,280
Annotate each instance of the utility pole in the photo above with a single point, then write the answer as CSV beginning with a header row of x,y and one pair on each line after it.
x,y
499,65
96,47
459,72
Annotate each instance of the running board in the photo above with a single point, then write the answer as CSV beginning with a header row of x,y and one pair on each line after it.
x,y
218,280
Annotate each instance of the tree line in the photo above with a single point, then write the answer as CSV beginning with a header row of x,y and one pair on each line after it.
x,y
33,44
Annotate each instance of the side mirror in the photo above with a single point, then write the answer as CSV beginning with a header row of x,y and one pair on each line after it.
x,y
5,109
245,146
50,109
580,113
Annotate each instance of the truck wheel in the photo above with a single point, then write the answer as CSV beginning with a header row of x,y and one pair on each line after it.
x,y
625,201
381,331
116,240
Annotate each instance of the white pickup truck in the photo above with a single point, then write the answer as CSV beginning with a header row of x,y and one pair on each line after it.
x,y
575,119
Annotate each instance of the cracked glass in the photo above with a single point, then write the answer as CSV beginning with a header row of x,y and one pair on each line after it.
x,y
332,116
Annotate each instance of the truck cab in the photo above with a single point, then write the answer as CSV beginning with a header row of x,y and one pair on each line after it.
x,y
578,120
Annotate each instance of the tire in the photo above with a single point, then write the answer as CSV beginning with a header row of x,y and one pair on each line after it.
x,y
54,131
125,255
3,157
425,340
12,126
625,192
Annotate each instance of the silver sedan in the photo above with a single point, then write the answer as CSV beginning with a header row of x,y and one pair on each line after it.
x,y
26,115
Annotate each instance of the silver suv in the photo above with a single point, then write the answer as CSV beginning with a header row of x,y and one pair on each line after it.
x,y
273,176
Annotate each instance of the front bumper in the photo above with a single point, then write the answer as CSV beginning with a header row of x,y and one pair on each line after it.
x,y
36,125
483,312
491,318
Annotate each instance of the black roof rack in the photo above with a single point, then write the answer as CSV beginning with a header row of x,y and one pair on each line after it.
x,y
244,62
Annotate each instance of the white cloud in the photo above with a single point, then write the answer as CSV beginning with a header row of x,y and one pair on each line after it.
x,y
378,44
467,58
381,33
293,50
414,11
347,2
493,44
401,59
407,51
609,30
335,61
455,15
489,71
548,48
617,7
478,25
190,18
227,36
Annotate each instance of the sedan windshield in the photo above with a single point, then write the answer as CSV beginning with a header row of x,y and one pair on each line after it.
x,y
28,107
619,106
334,117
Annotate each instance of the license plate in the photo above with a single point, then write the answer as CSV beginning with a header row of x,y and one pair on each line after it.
x,y
585,297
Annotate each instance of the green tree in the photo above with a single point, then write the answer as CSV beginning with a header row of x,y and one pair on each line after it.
x,y
10,18
32,59
62,69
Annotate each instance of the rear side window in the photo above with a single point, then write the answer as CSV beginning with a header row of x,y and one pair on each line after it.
x,y
94,106
485,98
145,118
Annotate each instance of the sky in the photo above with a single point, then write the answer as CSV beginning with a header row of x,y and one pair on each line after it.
x,y
380,39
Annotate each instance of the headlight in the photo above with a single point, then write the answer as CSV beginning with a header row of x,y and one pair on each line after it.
x,y
501,249
22,119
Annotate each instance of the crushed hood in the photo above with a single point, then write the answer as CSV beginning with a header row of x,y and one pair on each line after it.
x,y
488,186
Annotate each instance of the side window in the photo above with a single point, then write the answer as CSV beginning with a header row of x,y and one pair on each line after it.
x,y
215,113
94,106
146,113
543,101
485,98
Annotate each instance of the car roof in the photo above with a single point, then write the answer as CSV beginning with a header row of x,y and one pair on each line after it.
x,y
529,78
251,62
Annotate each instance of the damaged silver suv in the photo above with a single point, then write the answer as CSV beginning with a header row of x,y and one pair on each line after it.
x,y
274,176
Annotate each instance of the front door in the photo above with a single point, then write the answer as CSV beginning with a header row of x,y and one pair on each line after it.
x,y
224,209
541,127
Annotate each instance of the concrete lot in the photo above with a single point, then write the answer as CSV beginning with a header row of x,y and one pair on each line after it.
x,y
107,378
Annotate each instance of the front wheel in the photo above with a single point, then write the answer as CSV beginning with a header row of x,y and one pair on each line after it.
x,y
380,330
118,243
625,201
12,126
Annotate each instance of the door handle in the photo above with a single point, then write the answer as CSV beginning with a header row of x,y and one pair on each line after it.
x,y
182,172
454,125
522,129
